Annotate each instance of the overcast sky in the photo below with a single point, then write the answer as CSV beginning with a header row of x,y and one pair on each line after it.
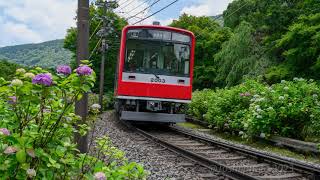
x,y
33,21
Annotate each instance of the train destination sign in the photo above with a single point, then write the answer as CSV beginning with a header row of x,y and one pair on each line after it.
x,y
157,35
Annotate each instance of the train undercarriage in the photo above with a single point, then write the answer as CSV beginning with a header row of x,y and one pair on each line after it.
x,y
150,110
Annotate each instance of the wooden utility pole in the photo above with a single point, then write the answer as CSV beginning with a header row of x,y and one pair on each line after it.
x,y
106,30
81,108
103,51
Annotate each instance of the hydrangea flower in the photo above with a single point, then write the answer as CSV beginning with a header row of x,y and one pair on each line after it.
x,y
31,173
43,79
46,110
283,81
12,100
95,107
270,108
286,88
29,75
281,98
4,131
84,71
21,71
10,150
241,133
100,176
64,69
262,135
31,153
315,96
245,94
16,82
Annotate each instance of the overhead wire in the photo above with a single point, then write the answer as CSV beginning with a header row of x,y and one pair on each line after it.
x,y
156,12
130,2
155,2
94,32
144,2
95,48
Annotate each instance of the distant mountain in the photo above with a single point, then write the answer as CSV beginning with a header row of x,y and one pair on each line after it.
x,y
47,54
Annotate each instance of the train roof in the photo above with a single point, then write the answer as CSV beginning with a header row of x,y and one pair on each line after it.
x,y
168,28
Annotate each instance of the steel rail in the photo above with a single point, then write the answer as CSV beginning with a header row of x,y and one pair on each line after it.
x,y
297,166
212,165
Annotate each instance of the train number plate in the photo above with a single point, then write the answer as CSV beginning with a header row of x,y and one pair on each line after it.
x,y
158,80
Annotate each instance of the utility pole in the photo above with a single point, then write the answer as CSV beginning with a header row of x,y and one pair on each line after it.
x,y
81,106
103,33
103,49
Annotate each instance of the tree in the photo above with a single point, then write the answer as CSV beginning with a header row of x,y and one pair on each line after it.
x,y
301,46
113,40
240,56
209,38
8,69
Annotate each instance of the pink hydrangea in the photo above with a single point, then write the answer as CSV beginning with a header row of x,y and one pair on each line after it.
x,y
31,153
245,94
84,71
10,150
100,176
64,69
5,131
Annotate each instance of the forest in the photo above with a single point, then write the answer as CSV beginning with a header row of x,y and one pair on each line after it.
x,y
256,71
270,40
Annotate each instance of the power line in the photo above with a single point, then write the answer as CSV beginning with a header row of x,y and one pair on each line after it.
x,y
127,4
145,2
155,2
94,49
156,12
94,32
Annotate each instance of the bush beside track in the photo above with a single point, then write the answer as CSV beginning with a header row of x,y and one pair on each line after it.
x,y
289,109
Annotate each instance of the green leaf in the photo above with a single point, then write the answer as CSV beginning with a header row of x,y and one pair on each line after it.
x,y
21,156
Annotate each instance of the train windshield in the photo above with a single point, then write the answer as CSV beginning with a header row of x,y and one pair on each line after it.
x,y
158,52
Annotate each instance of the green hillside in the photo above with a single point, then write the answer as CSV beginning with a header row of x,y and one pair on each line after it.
x,y
47,54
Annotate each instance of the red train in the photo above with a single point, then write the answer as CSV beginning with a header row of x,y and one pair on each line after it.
x,y
154,73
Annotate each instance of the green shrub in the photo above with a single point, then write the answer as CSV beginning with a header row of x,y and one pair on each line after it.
x,y
289,108
37,125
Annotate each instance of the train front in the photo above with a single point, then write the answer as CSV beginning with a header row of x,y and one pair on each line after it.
x,y
154,76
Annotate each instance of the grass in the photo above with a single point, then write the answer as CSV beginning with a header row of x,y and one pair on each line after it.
x,y
257,144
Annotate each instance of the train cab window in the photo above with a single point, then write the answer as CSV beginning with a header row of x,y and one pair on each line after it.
x,y
159,57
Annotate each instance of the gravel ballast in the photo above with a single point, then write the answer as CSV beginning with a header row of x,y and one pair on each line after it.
x,y
160,162
207,135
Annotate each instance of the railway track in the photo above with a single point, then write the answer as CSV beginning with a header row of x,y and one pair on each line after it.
x,y
231,162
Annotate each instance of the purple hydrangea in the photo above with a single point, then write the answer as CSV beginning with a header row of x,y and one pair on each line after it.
x,y
84,71
5,131
43,79
12,100
64,69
